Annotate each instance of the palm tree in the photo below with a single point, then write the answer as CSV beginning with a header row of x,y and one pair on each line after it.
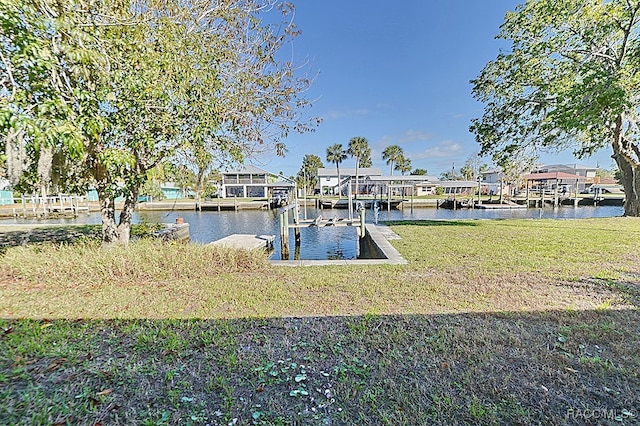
x,y
391,154
335,154
403,164
359,148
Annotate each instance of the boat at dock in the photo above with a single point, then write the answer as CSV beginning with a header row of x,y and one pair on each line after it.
x,y
503,206
455,204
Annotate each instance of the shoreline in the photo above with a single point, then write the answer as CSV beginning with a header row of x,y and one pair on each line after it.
x,y
225,204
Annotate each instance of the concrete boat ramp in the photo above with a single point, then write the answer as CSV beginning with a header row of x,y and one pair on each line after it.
x,y
246,241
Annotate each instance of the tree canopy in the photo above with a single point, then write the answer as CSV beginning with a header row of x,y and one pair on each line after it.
x,y
403,164
359,149
117,87
308,173
336,154
571,78
391,155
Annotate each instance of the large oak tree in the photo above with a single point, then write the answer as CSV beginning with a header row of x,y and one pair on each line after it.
x,y
123,85
570,78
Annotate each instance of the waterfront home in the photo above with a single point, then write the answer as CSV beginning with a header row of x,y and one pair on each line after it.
x,y
555,182
585,176
249,181
329,181
586,172
404,185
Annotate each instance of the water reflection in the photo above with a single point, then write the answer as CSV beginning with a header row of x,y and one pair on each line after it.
x,y
325,242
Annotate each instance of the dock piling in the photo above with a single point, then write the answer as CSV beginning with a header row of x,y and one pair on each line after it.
x,y
284,234
296,230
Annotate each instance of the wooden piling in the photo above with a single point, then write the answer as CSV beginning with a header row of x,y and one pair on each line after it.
x,y
284,234
296,230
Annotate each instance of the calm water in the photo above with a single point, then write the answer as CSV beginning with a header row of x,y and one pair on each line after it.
x,y
326,242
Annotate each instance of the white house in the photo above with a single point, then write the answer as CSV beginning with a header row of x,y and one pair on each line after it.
x,y
328,178
404,184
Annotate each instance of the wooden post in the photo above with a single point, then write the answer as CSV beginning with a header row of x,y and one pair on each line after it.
x,y
296,252
413,190
284,234
363,229
24,207
541,195
296,230
350,199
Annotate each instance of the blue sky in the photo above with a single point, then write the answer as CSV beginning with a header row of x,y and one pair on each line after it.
x,y
398,73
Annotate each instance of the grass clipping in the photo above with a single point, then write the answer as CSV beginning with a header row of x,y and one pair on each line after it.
x,y
143,261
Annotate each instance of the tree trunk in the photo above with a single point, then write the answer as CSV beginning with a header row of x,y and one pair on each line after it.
x,y
631,182
43,196
629,165
108,217
44,173
16,155
339,183
126,215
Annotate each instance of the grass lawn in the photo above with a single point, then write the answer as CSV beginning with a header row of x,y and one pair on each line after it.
x,y
491,322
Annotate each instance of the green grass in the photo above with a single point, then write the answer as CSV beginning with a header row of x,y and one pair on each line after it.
x,y
491,322
455,266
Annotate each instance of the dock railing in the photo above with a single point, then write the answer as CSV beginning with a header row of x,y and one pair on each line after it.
x,y
35,205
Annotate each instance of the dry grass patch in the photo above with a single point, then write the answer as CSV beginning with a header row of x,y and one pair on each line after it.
x,y
519,322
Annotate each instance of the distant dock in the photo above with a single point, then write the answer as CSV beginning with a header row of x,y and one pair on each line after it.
x,y
508,206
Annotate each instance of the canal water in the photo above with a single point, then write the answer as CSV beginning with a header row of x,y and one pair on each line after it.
x,y
325,242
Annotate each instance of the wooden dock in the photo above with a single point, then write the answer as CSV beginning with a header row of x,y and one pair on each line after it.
x,y
246,241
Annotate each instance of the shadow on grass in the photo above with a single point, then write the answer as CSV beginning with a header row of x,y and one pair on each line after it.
x,y
55,234
553,367
431,222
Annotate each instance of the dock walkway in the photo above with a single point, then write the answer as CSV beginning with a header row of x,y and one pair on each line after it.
x,y
246,241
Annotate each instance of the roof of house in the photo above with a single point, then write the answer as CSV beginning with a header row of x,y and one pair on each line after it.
x,y
553,176
362,171
247,169
574,166
405,178
281,184
458,183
